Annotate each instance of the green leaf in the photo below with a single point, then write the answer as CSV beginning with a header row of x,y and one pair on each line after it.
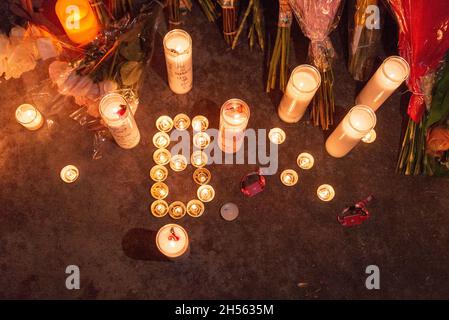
x,y
132,51
130,72
440,100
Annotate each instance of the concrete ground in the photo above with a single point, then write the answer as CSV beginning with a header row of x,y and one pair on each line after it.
x,y
286,244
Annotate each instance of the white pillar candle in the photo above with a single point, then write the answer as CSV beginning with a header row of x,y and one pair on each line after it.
x,y
116,113
301,88
234,117
178,57
359,121
29,117
390,75
172,241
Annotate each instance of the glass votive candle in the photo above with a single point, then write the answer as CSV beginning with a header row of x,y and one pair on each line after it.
x,y
177,210
161,140
161,156
181,121
277,135
301,88
178,57
234,117
159,173
305,161
370,137
159,190
178,162
205,193
29,117
195,208
164,123
390,75
325,192
69,174
159,208
172,241
289,177
201,140
200,123
198,159
355,125
202,176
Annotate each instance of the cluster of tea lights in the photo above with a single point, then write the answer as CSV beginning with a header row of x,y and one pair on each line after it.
x,y
162,157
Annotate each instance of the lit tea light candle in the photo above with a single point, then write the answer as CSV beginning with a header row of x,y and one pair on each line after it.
x,y
164,123
325,192
277,135
159,208
305,161
200,123
206,193
390,75
198,159
78,20
202,176
29,117
178,57
116,114
289,177
301,88
234,117
159,190
177,210
182,121
161,156
159,173
370,137
172,241
195,208
201,140
69,174
355,125
161,140
178,163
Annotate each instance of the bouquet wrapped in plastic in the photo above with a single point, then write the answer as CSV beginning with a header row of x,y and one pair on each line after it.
x,y
365,20
423,42
317,19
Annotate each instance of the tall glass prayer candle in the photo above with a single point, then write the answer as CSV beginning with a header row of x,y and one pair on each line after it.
x,y
301,88
355,125
178,57
116,113
390,75
29,117
172,241
78,20
234,116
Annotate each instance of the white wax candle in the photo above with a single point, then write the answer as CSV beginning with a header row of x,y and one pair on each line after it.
x,y
115,112
355,125
172,241
301,88
29,117
234,117
178,57
390,75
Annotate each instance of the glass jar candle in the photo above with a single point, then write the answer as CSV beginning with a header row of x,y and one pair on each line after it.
x,y
116,113
301,88
178,57
390,75
29,117
234,117
359,121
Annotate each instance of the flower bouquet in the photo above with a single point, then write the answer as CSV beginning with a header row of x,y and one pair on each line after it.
x,y
423,42
229,15
317,19
255,27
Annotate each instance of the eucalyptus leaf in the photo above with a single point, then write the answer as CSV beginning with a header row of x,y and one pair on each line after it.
x,y
132,51
440,100
130,72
